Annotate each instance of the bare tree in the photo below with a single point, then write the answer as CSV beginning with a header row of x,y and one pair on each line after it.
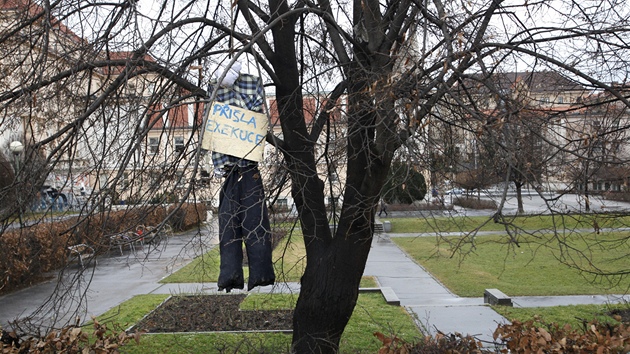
x,y
515,146
7,177
88,83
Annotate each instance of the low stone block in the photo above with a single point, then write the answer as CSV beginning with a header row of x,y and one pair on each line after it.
x,y
496,297
390,296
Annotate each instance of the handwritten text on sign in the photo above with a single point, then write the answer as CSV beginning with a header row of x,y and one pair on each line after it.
x,y
235,131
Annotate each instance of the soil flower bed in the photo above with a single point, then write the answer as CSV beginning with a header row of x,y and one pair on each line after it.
x,y
210,313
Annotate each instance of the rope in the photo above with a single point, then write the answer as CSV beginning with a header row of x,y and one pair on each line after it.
x,y
231,51
233,18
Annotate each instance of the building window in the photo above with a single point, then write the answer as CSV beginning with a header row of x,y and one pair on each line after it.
x,y
154,145
131,90
205,177
332,173
560,99
191,115
282,204
125,180
179,144
151,89
180,180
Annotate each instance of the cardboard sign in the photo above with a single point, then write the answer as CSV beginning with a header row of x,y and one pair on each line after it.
x,y
235,131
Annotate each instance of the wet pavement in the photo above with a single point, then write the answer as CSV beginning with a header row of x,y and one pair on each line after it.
x,y
437,309
117,278
433,305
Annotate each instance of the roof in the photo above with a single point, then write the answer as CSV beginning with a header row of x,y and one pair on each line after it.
x,y
177,116
123,55
536,82
32,9
16,4
128,55
310,105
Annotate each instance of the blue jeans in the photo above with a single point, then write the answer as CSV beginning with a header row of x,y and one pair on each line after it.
x,y
243,218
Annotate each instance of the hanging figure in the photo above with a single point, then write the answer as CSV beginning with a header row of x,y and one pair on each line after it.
x,y
243,217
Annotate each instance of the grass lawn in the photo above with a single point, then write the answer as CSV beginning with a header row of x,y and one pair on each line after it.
x,y
371,314
530,269
527,222
288,257
574,315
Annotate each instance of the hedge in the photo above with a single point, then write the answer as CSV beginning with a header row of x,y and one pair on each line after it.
x,y
28,253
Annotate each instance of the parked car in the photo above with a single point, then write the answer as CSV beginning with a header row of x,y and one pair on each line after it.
x,y
455,191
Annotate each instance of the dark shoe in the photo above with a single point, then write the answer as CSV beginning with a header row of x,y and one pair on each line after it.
x,y
263,282
229,285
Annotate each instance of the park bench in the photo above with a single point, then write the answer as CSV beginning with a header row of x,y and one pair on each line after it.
x,y
143,235
124,239
153,234
81,252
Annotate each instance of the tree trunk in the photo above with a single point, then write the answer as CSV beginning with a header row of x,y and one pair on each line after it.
x,y
587,204
329,292
330,284
335,263
519,198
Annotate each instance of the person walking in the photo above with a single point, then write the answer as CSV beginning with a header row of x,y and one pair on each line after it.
x,y
383,208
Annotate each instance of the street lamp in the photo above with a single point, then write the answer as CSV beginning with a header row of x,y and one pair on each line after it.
x,y
16,148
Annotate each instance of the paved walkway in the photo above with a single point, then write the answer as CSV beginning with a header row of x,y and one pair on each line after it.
x,y
438,309
434,306
118,278
115,279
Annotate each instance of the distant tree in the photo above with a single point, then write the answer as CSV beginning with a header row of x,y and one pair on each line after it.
x,y
7,178
505,131
477,179
404,184
514,144
599,139
20,188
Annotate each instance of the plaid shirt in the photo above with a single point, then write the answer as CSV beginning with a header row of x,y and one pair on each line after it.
x,y
247,92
